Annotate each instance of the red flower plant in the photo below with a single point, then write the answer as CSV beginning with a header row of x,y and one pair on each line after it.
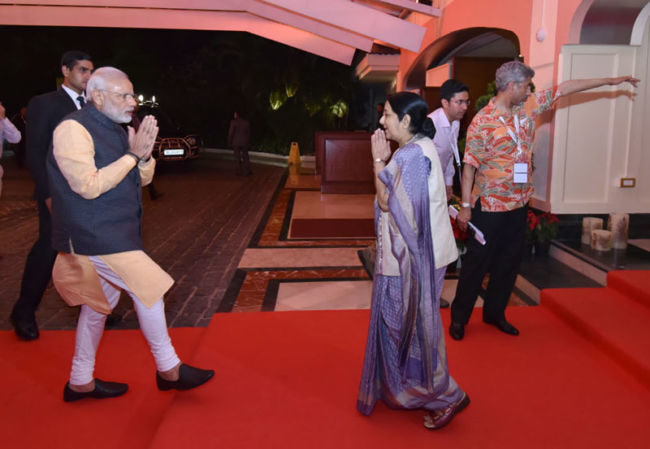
x,y
533,220
460,236
542,227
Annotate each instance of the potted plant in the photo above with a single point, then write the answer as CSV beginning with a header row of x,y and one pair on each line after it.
x,y
545,230
531,223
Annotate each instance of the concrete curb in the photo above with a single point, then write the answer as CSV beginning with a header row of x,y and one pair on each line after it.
x,y
260,157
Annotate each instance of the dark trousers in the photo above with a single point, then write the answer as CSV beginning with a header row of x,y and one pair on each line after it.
x,y
243,162
505,234
153,193
38,269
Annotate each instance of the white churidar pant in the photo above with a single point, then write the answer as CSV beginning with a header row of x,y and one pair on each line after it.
x,y
90,328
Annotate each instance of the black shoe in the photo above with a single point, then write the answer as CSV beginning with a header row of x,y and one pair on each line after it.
x,y
189,377
102,390
456,330
25,328
444,304
113,320
503,326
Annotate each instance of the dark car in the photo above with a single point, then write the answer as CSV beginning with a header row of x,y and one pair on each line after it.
x,y
172,143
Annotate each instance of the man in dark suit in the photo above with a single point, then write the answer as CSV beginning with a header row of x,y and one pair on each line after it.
x,y
44,112
239,136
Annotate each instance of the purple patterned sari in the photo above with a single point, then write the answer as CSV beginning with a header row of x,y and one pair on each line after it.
x,y
406,357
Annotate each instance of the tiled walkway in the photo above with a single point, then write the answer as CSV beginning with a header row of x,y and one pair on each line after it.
x,y
197,231
278,272
224,239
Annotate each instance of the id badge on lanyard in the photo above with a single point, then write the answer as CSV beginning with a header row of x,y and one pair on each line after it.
x,y
520,172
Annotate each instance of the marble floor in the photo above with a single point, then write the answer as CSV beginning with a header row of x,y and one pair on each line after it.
x,y
281,273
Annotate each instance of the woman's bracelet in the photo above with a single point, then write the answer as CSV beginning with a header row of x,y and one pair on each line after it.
x,y
379,160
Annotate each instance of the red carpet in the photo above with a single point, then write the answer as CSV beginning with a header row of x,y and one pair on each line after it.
x,y
615,320
635,284
290,379
32,411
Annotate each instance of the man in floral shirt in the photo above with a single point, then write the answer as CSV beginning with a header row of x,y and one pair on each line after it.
x,y
496,187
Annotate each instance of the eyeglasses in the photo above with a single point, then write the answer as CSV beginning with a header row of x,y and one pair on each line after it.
x,y
124,96
465,102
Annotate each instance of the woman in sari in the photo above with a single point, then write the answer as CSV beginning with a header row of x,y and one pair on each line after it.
x,y
406,357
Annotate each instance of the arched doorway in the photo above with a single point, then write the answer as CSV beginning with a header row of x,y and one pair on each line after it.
x,y
471,55
474,42
606,22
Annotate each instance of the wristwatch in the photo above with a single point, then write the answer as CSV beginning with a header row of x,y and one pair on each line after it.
x,y
465,205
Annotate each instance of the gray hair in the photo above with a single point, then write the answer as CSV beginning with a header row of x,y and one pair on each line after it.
x,y
512,72
102,78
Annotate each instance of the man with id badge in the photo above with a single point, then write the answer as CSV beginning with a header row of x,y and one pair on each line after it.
x,y
454,98
496,186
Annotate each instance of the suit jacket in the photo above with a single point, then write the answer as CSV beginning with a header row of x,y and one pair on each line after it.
x,y
239,133
44,112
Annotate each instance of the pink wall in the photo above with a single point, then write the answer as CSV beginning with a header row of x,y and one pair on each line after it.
x,y
513,15
565,18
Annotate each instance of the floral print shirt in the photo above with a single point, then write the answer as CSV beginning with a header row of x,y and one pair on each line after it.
x,y
492,150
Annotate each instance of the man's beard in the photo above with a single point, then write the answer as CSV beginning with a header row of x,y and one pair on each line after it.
x,y
116,115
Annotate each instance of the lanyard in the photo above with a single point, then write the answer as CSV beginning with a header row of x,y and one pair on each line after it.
x,y
520,170
515,137
454,148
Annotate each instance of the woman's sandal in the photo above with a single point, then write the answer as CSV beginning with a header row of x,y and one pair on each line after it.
x,y
438,419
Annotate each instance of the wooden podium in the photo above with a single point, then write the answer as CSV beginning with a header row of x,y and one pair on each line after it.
x,y
344,161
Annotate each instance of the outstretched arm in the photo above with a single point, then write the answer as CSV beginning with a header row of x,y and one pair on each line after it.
x,y
573,86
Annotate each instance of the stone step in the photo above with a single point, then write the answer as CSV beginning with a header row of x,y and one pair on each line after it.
x,y
574,265
540,272
596,264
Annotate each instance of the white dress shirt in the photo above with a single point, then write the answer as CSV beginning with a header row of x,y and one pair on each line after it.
x,y
8,132
73,95
446,142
